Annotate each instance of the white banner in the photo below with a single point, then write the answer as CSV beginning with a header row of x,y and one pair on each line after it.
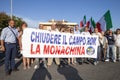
x,y
41,43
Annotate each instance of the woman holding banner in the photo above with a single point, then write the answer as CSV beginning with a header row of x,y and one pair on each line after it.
x,y
26,61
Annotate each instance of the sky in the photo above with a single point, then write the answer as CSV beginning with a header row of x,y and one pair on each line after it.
x,y
35,11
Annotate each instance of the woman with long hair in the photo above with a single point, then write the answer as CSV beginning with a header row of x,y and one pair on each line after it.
x,y
26,61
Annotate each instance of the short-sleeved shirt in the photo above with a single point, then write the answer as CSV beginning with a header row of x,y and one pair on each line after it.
x,y
77,32
111,39
8,36
99,36
117,42
85,33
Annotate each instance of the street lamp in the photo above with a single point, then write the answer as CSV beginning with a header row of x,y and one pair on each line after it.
x,y
11,8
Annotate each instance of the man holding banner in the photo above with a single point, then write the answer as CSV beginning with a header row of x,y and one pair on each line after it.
x,y
39,61
76,31
50,60
85,32
71,60
98,47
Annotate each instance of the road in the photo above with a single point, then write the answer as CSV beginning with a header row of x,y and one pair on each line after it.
x,y
102,71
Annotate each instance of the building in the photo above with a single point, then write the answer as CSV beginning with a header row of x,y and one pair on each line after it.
x,y
63,26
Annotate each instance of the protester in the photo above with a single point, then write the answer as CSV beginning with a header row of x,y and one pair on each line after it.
x,y
103,45
85,32
117,43
71,60
26,61
50,60
63,61
98,48
18,55
111,44
40,61
9,39
76,31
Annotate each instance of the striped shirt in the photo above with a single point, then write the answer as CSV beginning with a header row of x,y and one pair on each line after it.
x,y
8,36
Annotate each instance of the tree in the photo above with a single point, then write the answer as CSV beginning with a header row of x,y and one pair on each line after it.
x,y
18,21
4,18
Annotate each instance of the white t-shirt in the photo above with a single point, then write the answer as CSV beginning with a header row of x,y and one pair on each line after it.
x,y
76,32
56,30
117,41
99,35
85,33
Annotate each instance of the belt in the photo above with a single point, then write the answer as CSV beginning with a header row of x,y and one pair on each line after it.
x,y
9,43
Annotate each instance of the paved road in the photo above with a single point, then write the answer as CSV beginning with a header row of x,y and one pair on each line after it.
x,y
103,71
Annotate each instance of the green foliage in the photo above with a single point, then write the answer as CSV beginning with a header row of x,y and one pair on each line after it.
x,y
4,18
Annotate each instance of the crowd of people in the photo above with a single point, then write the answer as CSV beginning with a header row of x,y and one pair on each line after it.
x,y
108,48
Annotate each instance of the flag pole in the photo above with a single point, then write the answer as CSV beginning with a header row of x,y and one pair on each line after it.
x,y
11,8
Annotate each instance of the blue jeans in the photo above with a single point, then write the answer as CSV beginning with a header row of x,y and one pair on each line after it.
x,y
98,53
113,51
10,53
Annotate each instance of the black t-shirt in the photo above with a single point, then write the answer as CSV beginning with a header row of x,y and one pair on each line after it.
x,y
111,40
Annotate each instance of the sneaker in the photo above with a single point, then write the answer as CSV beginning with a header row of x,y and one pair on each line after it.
x,y
36,66
95,63
75,61
107,60
114,61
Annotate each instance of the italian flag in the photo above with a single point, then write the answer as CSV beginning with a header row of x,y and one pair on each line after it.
x,y
91,25
105,23
83,22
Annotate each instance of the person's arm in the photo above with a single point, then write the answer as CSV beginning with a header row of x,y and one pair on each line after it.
x,y
2,45
106,44
100,36
3,35
113,38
